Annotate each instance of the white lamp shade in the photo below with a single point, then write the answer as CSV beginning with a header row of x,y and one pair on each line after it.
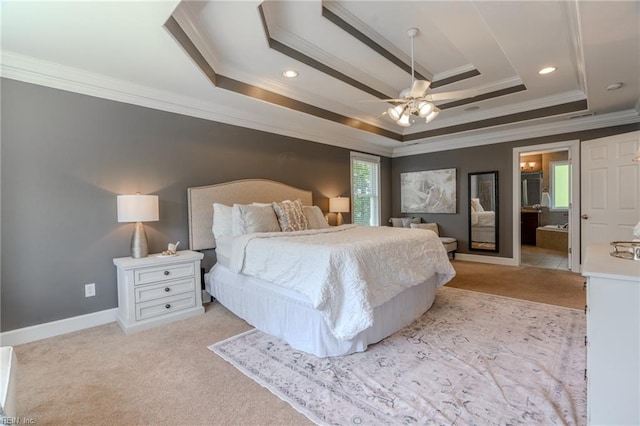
x,y
433,114
138,208
339,205
395,112
546,199
425,108
404,120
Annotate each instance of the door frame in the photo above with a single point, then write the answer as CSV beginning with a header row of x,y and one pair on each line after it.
x,y
573,146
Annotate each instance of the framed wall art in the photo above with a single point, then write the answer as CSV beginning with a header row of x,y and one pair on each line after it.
x,y
430,191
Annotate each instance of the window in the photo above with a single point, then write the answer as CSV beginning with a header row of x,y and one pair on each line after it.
x,y
365,189
559,185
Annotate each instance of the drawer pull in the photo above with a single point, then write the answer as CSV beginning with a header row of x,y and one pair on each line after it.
x,y
166,272
167,306
167,289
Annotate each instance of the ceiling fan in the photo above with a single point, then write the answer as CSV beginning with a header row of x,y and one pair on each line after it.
x,y
415,101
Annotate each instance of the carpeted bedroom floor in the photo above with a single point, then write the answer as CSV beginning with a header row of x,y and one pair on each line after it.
x,y
167,375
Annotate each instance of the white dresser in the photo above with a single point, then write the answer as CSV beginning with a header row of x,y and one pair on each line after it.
x,y
613,337
157,290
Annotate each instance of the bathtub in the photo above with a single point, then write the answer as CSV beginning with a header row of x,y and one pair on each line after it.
x,y
557,228
554,237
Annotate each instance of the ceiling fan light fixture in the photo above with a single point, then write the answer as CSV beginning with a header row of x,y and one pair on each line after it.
x,y
404,120
433,114
395,112
425,108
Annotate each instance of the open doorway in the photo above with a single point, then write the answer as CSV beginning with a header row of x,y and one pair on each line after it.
x,y
546,206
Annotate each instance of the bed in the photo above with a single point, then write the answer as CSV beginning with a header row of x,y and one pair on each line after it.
x,y
483,223
328,291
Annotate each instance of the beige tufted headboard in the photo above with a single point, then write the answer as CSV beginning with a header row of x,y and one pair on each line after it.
x,y
201,199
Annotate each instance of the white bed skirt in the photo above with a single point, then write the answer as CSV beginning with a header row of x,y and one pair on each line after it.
x,y
484,234
288,315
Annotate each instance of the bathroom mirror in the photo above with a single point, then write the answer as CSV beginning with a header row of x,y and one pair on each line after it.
x,y
531,188
483,211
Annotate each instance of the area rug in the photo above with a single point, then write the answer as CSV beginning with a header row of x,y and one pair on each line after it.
x,y
472,359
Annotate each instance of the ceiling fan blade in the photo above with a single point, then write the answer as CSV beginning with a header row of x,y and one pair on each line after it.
x,y
418,88
460,94
385,100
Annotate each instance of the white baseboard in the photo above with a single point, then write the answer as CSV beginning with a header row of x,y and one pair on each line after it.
x,y
508,261
56,328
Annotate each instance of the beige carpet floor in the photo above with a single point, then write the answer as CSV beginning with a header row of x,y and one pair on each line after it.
x,y
167,376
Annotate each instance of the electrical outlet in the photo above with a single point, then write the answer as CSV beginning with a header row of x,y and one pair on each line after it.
x,y
89,290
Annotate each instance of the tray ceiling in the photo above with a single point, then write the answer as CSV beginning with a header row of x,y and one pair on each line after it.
x,y
223,60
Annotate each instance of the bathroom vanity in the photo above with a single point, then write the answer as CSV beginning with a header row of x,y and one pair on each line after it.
x,y
529,222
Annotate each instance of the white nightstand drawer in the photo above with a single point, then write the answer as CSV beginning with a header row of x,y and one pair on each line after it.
x,y
156,290
165,305
153,292
163,273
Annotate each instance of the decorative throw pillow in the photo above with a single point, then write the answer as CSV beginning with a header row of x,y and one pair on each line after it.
x,y
291,216
247,219
315,218
221,220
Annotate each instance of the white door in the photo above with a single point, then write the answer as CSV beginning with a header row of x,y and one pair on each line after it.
x,y
610,189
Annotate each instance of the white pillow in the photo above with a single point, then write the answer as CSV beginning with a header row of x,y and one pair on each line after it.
x,y
315,218
247,219
221,220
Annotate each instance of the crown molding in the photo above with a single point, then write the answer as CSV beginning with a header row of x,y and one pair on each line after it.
x,y
35,71
43,73
471,139
549,101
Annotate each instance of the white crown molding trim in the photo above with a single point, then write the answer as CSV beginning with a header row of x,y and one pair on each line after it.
x,y
31,70
187,20
485,114
549,101
453,72
570,9
57,328
359,25
470,139
494,260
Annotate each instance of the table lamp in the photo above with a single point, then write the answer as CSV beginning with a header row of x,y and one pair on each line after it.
x,y
339,205
138,208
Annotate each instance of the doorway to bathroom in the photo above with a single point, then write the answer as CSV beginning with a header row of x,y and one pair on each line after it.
x,y
545,191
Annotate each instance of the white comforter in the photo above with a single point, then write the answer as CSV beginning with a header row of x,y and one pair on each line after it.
x,y
487,218
345,271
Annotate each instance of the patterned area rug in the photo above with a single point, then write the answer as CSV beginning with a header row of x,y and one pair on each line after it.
x,y
473,358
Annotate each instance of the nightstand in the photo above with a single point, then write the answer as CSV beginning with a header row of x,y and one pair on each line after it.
x,y
158,290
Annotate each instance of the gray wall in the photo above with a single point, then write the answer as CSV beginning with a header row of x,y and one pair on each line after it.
x,y
66,156
480,159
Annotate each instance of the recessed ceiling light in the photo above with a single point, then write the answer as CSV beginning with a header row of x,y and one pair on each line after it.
x,y
290,73
615,86
547,70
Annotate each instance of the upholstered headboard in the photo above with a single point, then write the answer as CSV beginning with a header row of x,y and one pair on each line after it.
x,y
201,199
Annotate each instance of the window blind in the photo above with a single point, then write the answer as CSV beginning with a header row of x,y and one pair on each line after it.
x,y
365,189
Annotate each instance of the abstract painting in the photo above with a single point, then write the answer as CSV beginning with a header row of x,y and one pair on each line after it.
x,y
431,191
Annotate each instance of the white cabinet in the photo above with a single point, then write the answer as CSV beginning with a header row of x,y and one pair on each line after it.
x,y
157,290
613,337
